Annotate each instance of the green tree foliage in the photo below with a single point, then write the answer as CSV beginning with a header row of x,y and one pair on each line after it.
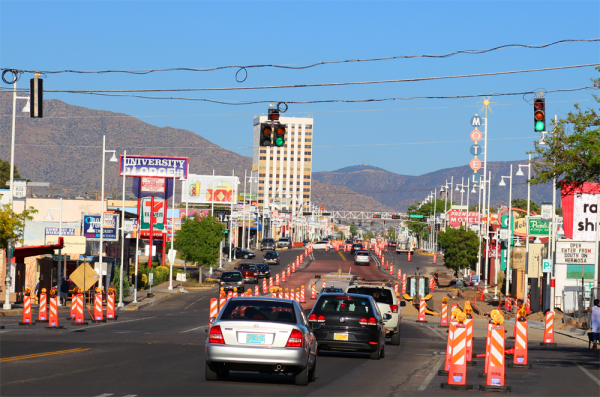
x,y
392,233
419,227
460,248
199,239
117,283
522,204
12,225
5,173
369,235
572,155
353,230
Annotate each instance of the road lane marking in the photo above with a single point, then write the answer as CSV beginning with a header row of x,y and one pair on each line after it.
x,y
342,255
42,354
440,335
194,302
431,374
105,395
585,371
193,329
103,325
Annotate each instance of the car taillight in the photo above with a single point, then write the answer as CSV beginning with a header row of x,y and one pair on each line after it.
x,y
295,339
394,308
215,335
321,319
372,321
312,318
363,321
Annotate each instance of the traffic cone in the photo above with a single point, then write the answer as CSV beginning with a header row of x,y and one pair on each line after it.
x,y
73,307
98,309
396,288
399,274
422,306
495,371
110,305
283,276
27,318
434,259
392,270
457,372
214,310
53,314
306,253
549,330
302,295
520,353
387,265
264,285
431,284
301,259
323,283
469,324
313,291
409,256
43,308
286,294
79,309
404,284
444,316
256,293
326,247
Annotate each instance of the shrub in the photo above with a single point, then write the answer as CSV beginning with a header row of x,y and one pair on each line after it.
x,y
142,281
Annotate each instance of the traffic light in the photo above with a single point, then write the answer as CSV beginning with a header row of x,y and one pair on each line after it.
x,y
539,114
226,232
273,115
36,98
266,132
377,216
395,216
279,136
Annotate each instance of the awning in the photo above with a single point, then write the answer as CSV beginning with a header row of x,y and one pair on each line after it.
x,y
22,252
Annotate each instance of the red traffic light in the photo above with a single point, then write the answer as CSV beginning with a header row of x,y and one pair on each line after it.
x,y
273,115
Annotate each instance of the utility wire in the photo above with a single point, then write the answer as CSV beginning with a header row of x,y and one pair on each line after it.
x,y
299,66
331,84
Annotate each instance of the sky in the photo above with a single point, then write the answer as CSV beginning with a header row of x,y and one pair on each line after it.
x,y
410,137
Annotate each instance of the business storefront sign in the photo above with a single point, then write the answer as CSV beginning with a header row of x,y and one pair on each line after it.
x,y
158,217
208,189
576,252
74,245
585,217
492,250
66,231
152,185
457,217
92,225
537,227
154,166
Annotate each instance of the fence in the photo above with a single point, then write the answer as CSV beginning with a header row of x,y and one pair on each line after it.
x,y
575,300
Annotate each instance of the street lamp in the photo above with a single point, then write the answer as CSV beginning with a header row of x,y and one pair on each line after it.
x,y
520,173
113,159
502,183
252,180
49,217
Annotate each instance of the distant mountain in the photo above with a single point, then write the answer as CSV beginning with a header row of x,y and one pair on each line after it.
x,y
354,168
338,198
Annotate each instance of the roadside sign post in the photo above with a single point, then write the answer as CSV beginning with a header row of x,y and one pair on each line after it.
x,y
171,256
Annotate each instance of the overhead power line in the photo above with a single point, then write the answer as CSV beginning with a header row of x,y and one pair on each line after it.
x,y
307,65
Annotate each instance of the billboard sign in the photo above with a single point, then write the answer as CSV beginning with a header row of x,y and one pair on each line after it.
x,y
457,217
158,217
576,252
92,224
207,189
537,227
66,231
585,217
154,166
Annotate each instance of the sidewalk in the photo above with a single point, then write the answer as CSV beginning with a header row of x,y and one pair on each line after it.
x,y
159,292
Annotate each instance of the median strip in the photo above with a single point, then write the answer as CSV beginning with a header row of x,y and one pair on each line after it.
x,y
41,355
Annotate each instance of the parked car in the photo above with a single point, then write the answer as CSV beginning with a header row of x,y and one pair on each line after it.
x,y
320,245
249,272
238,253
387,302
264,271
328,290
271,257
264,335
349,322
284,242
362,258
356,247
267,244
231,280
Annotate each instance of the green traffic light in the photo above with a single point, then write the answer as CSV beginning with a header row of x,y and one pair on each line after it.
x,y
279,142
539,126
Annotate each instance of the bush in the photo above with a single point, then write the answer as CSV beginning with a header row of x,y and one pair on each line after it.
x,y
142,281
117,283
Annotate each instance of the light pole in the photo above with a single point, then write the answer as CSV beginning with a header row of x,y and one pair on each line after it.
x,y
520,173
502,183
113,159
49,217
120,304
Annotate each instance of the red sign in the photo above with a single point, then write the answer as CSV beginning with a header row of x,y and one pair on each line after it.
x,y
322,208
152,185
457,217
491,250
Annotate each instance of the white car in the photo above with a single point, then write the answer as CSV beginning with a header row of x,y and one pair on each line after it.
x,y
320,245
362,258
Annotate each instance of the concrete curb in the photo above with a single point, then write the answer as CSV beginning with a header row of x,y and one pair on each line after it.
x,y
11,313
141,306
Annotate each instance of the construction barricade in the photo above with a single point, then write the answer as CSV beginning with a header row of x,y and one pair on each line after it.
x,y
444,315
27,316
457,370
43,307
520,351
79,308
110,305
313,291
53,313
422,307
98,308
549,330
495,369
214,311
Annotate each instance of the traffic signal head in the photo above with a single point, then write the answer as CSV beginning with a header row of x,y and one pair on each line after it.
x,y
377,216
273,115
226,232
266,135
539,114
36,97
279,136
395,216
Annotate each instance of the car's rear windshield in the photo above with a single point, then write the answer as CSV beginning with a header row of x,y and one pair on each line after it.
x,y
284,239
362,253
344,304
231,276
263,266
271,254
259,310
247,266
379,294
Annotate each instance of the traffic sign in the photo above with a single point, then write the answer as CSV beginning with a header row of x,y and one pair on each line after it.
x,y
474,279
475,121
503,233
416,216
546,266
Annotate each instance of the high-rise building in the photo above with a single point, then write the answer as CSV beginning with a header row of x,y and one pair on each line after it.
x,y
284,173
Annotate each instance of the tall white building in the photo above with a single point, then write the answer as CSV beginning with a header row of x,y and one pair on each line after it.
x,y
284,173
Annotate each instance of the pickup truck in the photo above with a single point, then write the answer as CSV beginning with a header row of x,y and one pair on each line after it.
x,y
403,247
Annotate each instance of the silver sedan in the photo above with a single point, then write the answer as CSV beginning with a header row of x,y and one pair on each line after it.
x,y
362,258
264,335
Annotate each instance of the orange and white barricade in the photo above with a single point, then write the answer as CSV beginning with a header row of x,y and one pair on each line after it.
x,y
73,307
313,291
392,270
297,297
302,295
110,305
469,324
270,283
98,308
222,301
404,284
495,370
306,253
408,256
323,283
399,274
276,279
293,268
229,295
457,371
434,259
283,276
396,288
297,262
214,310
43,307
79,312
301,259
235,293
264,285
27,316
256,293
453,306
444,315
273,294
53,313
422,306
508,304
549,330
488,341
444,372
286,294
292,295
520,353
528,304
280,294
289,271
387,265
326,247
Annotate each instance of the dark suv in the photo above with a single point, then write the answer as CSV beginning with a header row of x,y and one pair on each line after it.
x,y
267,244
272,258
231,280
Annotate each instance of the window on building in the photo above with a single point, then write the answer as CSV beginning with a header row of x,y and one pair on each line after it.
x,y
306,176
308,140
263,157
306,190
306,183
306,196
307,133
261,201
299,159
308,146
261,175
263,150
309,126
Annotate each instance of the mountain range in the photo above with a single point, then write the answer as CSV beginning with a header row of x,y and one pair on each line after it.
x,y
64,148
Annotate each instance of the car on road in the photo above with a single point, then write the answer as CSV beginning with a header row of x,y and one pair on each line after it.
x,y
320,245
362,258
387,302
261,334
238,253
392,244
349,322
264,271
249,272
306,242
356,247
284,242
231,280
271,257
267,244
328,290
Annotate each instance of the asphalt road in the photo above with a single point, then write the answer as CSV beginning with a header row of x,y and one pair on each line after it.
x,y
159,351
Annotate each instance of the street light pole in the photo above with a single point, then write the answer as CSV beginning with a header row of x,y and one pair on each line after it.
x,y
100,249
244,214
122,235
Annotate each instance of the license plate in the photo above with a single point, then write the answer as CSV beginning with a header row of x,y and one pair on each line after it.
x,y
255,338
340,336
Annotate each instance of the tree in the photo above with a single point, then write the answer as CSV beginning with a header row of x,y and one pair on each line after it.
x,y
392,233
117,282
419,227
522,204
460,248
353,230
5,173
199,239
12,225
572,155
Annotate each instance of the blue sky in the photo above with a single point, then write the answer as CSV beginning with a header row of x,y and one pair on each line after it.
x,y
152,34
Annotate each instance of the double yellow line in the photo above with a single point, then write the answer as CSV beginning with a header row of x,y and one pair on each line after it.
x,y
342,255
42,355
